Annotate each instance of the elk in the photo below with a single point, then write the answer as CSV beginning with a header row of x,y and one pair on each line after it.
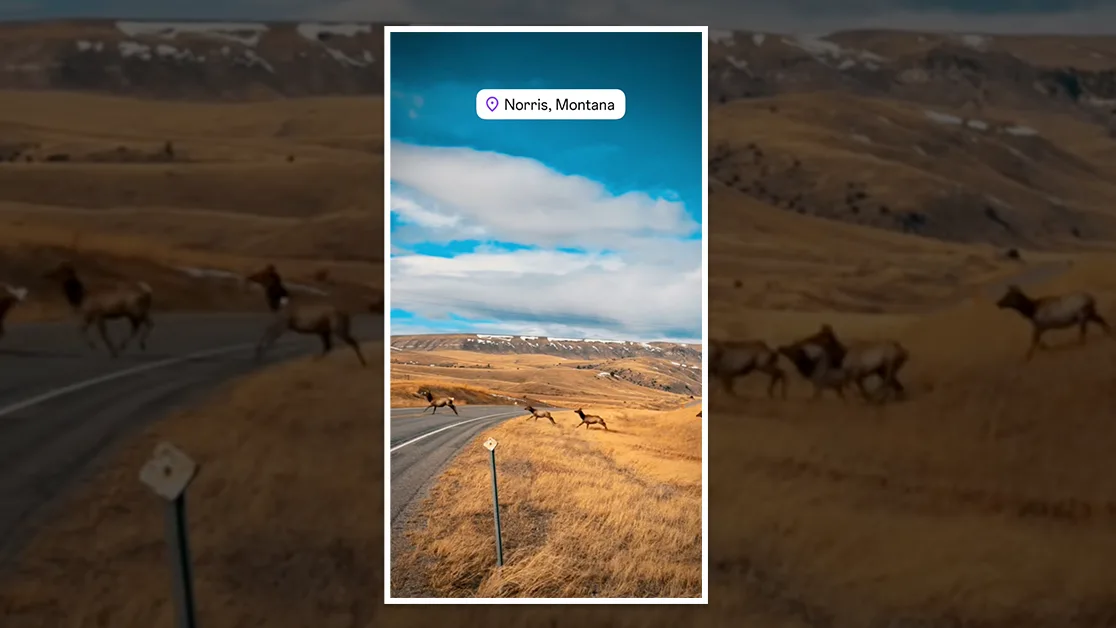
x,y
132,302
322,320
822,348
440,402
810,361
818,359
539,414
1053,312
589,419
730,359
882,358
8,299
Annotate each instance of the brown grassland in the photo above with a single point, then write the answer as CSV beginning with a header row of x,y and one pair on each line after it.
x,y
585,512
295,183
986,499
545,378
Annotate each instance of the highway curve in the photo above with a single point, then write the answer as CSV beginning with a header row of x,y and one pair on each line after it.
x,y
421,445
62,403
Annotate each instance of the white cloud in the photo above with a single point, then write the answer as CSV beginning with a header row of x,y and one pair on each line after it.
x,y
570,298
521,200
635,279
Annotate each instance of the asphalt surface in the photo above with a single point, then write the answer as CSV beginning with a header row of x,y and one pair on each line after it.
x,y
422,444
62,404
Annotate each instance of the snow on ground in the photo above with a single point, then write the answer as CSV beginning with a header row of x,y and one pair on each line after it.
x,y
757,38
246,33
255,59
978,42
942,118
737,63
721,37
824,50
1021,131
345,59
979,125
311,30
134,49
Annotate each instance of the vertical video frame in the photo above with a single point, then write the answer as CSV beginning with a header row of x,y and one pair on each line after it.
x,y
546,314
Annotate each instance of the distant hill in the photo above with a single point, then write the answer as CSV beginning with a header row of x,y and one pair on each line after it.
x,y
976,139
584,349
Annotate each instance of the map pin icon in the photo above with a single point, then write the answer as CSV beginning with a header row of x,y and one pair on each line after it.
x,y
492,102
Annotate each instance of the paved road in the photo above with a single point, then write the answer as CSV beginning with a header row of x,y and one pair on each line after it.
x,y
62,404
422,445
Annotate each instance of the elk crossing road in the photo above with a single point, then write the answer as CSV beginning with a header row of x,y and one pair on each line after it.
x,y
62,403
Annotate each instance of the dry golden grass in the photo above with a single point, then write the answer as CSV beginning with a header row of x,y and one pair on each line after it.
x,y
550,379
284,182
585,513
767,257
260,552
985,498
404,394
968,500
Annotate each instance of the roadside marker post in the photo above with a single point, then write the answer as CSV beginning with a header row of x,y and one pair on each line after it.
x,y
168,474
490,445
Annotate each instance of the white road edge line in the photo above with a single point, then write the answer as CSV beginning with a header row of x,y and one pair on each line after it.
x,y
150,366
442,429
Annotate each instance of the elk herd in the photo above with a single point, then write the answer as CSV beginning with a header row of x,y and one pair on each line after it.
x,y
586,419
827,363
133,302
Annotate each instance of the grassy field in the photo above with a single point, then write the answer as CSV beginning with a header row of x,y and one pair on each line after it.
x,y
307,555
985,499
967,501
550,379
585,512
286,183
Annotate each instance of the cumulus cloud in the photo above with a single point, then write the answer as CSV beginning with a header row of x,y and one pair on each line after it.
x,y
588,263
521,200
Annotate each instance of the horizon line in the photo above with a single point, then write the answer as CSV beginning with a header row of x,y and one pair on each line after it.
x,y
560,338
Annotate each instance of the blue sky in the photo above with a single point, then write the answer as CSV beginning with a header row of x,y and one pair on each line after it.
x,y
812,16
569,228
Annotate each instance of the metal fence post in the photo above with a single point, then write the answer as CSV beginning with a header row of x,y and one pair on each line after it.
x,y
490,445
168,473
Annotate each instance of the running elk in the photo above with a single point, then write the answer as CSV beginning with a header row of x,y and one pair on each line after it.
x,y
1053,312
882,358
322,320
829,364
818,359
539,414
589,419
730,359
132,302
441,402
8,298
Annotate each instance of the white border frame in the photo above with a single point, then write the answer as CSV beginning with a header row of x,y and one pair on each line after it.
x,y
704,30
